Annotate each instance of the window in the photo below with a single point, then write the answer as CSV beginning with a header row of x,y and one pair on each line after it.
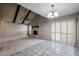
x,y
64,31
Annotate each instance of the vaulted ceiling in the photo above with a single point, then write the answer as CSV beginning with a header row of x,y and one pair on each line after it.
x,y
15,13
21,14
44,8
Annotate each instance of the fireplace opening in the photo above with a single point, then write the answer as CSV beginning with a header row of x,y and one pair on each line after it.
x,y
35,32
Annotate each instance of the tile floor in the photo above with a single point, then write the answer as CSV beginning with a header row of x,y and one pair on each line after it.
x,y
47,48
11,47
41,48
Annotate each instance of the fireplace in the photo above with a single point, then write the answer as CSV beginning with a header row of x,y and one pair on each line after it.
x,y
35,30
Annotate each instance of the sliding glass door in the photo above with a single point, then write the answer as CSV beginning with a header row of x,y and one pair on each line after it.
x,y
57,31
72,31
64,31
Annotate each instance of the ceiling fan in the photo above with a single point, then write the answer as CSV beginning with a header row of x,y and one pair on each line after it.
x,y
53,13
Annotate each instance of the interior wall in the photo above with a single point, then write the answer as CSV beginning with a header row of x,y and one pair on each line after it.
x,y
10,31
44,26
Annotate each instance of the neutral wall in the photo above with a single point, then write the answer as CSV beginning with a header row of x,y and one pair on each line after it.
x,y
44,26
10,31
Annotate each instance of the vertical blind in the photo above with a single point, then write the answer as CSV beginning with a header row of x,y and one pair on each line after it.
x,y
64,31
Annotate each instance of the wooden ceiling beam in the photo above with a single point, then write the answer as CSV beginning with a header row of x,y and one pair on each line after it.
x,y
26,16
17,11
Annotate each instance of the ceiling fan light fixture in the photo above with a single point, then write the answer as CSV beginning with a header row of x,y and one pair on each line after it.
x,y
53,13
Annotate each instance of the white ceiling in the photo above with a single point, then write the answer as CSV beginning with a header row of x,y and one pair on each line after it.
x,y
44,8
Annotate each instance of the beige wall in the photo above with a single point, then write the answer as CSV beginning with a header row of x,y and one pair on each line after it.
x,y
44,26
10,31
